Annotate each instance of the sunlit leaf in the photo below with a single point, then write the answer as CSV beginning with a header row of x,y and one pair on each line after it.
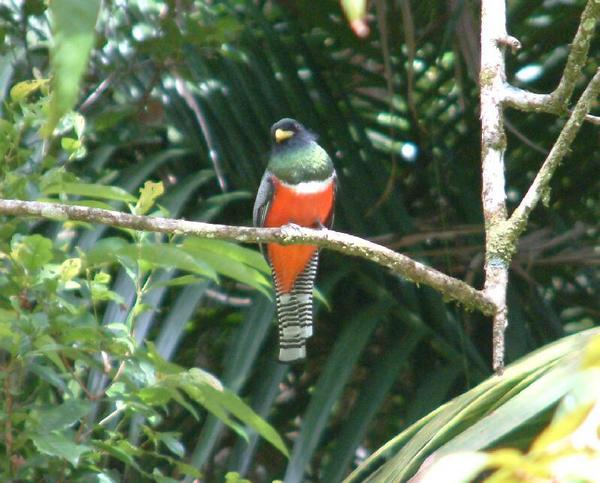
x,y
73,28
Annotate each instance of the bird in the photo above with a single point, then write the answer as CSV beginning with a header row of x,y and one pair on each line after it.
x,y
298,187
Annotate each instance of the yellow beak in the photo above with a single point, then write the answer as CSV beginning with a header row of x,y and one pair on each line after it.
x,y
281,135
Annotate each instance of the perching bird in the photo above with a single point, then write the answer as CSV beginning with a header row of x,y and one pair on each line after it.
x,y
298,187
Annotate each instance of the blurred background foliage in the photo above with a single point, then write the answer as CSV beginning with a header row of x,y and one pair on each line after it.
x,y
183,92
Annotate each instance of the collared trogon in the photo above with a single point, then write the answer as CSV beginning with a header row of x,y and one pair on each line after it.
x,y
298,187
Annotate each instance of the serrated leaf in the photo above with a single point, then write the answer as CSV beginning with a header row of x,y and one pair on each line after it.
x,y
61,445
62,416
32,251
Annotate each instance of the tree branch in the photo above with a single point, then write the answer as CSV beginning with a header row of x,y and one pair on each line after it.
x,y
493,145
449,287
557,101
540,187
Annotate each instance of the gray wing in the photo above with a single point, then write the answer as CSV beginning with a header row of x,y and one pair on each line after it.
x,y
263,199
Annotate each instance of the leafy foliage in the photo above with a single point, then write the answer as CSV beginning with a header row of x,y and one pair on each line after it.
x,y
101,329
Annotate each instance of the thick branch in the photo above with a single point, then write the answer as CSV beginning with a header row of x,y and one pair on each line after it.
x,y
493,145
350,245
557,101
540,186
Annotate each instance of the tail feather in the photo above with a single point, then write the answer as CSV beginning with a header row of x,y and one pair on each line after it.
x,y
303,289
295,314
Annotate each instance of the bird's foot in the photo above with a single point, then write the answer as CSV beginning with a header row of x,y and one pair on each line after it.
x,y
291,229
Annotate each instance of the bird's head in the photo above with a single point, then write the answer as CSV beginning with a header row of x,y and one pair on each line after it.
x,y
286,130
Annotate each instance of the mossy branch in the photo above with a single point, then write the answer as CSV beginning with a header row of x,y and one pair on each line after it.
x,y
540,186
449,287
557,101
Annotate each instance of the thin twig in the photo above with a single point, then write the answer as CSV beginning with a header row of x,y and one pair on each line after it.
x,y
540,186
400,264
213,151
557,101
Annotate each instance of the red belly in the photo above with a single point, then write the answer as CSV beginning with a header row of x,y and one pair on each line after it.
x,y
304,209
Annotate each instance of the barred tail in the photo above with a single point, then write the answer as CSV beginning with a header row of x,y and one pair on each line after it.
x,y
295,314
292,343
303,289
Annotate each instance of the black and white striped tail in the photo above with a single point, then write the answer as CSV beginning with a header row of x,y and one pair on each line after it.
x,y
295,314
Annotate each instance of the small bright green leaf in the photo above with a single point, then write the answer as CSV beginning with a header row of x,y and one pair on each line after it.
x,y
69,144
70,268
234,477
90,190
100,292
148,195
73,28
188,470
32,251
22,90
60,444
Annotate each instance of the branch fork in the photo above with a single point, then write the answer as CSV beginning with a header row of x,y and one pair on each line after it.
x,y
502,231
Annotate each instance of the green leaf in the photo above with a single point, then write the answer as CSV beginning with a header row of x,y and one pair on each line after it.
x,y
105,251
69,269
229,260
247,256
122,450
169,256
175,282
22,90
205,389
172,441
32,252
73,28
90,190
479,418
62,416
148,195
60,444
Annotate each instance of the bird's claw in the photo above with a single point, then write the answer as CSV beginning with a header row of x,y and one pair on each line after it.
x,y
291,229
